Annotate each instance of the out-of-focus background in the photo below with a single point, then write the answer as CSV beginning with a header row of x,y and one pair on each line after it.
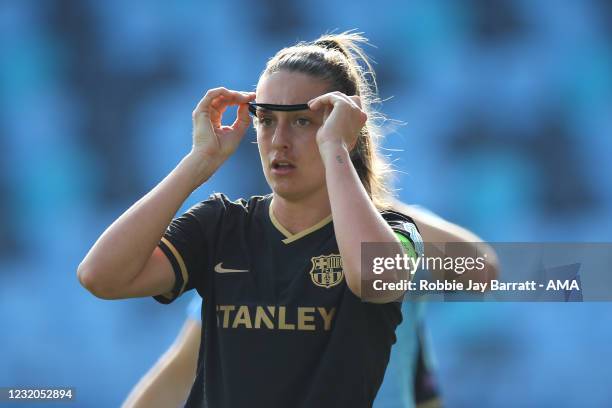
x,y
507,111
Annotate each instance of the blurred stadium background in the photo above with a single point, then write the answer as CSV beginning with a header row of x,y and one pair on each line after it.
x,y
507,108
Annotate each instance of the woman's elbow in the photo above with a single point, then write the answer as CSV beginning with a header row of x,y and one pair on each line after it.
x,y
90,279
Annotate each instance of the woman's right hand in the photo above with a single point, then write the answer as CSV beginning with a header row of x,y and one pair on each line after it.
x,y
211,140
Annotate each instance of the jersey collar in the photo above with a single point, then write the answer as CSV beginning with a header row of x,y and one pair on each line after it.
x,y
289,237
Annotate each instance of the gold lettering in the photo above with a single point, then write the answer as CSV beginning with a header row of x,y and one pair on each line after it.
x,y
242,317
261,315
272,317
226,309
327,317
272,309
303,318
281,320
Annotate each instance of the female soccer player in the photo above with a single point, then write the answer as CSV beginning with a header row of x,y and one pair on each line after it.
x,y
410,378
286,323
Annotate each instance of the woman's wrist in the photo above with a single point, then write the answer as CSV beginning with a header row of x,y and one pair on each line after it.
x,y
334,153
197,168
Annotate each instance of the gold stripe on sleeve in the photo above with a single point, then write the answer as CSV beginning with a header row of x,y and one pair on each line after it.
x,y
180,261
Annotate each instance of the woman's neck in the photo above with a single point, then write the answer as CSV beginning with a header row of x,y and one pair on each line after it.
x,y
299,215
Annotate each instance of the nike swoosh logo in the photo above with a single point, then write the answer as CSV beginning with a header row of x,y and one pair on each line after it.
x,y
221,269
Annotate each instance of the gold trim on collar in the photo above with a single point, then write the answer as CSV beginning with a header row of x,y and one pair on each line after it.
x,y
289,237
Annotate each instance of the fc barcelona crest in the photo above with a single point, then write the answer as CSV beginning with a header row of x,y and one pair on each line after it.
x,y
326,270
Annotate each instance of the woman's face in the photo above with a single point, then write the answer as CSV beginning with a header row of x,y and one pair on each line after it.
x,y
287,143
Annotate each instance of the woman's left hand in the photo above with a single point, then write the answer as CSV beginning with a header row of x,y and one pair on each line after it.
x,y
343,120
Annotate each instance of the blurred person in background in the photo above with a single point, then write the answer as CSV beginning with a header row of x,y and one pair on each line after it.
x,y
317,142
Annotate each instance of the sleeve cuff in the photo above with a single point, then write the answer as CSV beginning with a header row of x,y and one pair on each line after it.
x,y
180,272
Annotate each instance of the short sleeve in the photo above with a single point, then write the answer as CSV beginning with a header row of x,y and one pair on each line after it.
x,y
188,243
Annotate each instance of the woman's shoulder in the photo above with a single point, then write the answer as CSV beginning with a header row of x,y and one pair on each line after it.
x,y
222,202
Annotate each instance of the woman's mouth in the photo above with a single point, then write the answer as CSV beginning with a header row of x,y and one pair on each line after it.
x,y
282,167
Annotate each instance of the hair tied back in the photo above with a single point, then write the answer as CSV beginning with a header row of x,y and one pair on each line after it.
x,y
331,44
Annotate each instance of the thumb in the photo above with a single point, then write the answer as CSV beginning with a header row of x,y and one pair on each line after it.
x,y
243,119
202,127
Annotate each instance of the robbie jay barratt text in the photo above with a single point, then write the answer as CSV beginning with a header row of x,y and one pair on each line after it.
x,y
494,285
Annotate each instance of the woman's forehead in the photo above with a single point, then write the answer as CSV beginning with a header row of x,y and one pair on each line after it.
x,y
289,88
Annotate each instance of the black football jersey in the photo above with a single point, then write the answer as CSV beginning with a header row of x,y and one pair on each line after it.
x,y
280,327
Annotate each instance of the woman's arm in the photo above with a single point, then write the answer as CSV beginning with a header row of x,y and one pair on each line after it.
x,y
112,268
168,382
356,219
125,261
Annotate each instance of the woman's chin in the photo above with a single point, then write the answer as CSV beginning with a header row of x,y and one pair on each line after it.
x,y
295,192
285,191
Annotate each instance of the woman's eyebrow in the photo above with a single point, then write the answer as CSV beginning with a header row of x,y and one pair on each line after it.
x,y
275,107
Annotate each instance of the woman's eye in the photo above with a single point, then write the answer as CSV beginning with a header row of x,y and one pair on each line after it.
x,y
265,122
301,122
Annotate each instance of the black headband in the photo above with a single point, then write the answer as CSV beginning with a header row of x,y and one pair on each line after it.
x,y
271,106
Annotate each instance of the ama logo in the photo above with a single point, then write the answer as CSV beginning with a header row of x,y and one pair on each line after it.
x,y
562,283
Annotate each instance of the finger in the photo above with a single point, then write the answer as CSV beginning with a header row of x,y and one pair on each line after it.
x,y
217,108
354,103
326,99
221,102
335,99
243,119
202,125
356,100
348,99
221,97
239,97
204,104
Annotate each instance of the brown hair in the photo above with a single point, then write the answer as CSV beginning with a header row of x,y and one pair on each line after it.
x,y
340,60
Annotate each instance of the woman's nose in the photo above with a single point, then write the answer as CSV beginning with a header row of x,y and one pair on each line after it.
x,y
282,136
